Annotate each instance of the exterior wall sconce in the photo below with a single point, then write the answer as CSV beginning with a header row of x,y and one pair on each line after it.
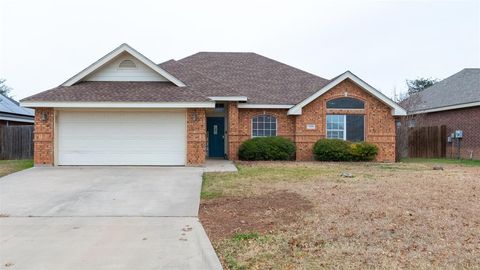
x,y
194,116
44,116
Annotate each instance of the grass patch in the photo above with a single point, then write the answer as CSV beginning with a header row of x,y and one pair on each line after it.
x,y
214,185
245,236
391,216
11,166
233,263
465,162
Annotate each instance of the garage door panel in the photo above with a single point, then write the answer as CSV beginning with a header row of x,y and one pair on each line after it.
x,y
118,138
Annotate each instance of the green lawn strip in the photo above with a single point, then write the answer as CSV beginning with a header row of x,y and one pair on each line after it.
x,y
11,166
465,162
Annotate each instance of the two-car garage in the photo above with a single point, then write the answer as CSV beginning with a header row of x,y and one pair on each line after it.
x,y
109,137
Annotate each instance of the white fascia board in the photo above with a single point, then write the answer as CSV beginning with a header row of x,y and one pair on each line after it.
x,y
397,110
264,106
119,104
229,98
446,108
17,119
122,48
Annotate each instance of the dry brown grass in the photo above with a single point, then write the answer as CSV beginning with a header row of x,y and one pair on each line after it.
x,y
390,216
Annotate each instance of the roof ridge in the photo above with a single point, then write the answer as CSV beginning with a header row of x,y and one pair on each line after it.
x,y
265,57
443,80
292,67
202,74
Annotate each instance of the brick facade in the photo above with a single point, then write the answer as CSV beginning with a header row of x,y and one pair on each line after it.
x,y
196,136
44,137
379,123
467,119
379,127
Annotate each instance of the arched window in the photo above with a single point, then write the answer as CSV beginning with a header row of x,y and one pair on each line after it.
x,y
345,103
264,126
127,64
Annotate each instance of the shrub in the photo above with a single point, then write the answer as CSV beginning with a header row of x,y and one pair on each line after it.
x,y
267,148
340,150
331,150
363,151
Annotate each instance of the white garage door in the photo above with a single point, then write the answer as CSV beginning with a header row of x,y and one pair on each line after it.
x,y
121,138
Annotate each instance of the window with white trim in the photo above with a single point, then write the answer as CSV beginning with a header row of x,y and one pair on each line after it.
x,y
264,126
336,127
350,127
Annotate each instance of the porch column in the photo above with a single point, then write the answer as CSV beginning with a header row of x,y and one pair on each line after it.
x,y
232,131
43,138
196,137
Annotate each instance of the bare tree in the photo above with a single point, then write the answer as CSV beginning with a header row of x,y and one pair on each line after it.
x,y
4,89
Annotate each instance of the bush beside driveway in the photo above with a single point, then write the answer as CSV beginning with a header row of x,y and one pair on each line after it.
x,y
291,215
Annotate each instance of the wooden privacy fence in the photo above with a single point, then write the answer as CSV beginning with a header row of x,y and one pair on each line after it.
x,y
16,142
427,142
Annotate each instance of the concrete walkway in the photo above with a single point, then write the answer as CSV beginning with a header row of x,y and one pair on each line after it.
x,y
103,218
219,165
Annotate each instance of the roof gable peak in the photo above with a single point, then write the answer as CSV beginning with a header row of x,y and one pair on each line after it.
x,y
396,109
122,49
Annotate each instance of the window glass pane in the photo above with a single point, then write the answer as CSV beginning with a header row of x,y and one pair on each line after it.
x,y
355,128
264,125
345,103
335,126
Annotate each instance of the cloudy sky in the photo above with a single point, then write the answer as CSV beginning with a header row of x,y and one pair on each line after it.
x,y
43,43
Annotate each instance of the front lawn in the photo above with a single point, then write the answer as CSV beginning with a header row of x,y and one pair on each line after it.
x,y
289,215
466,162
11,166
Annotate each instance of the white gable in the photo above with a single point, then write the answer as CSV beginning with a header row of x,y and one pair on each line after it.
x,y
113,71
108,68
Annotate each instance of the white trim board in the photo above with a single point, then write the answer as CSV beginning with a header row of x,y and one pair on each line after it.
x,y
229,98
446,108
264,106
111,55
397,110
119,104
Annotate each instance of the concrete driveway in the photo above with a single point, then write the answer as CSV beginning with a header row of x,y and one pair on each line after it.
x,y
102,191
103,218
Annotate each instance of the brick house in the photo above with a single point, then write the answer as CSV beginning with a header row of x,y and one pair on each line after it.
x,y
126,110
455,103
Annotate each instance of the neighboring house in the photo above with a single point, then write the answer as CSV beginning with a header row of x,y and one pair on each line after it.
x,y
12,114
454,102
126,110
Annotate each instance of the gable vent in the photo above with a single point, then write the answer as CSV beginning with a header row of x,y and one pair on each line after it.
x,y
127,64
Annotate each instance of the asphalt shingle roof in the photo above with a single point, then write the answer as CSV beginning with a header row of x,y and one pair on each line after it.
x,y
260,79
460,88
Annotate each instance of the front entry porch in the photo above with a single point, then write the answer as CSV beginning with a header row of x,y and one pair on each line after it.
x,y
216,132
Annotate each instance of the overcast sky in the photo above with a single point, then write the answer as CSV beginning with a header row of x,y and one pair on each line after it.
x,y
44,43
